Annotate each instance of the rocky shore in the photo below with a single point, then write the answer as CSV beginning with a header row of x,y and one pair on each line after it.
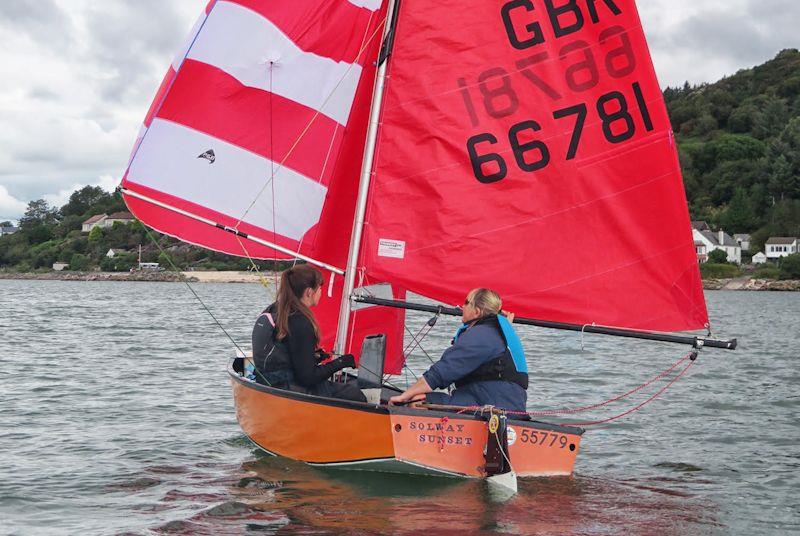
x,y
192,277
746,283
739,283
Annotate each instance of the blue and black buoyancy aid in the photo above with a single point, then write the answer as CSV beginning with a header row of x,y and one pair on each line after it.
x,y
270,356
509,366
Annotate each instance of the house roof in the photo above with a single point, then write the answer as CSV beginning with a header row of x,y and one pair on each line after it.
x,y
94,219
727,240
787,240
124,215
742,236
700,225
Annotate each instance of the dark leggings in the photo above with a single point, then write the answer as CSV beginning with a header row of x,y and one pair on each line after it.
x,y
343,390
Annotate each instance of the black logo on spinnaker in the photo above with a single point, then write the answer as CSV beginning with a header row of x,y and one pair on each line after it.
x,y
209,155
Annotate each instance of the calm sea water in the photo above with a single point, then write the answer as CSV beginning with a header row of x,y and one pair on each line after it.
x,y
116,417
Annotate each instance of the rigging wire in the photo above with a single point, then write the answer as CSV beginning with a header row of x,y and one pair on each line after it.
x,y
185,281
311,121
271,181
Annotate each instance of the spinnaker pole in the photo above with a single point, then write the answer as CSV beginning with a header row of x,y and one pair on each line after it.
x,y
693,340
366,175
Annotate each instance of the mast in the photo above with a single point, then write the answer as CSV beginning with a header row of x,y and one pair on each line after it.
x,y
366,174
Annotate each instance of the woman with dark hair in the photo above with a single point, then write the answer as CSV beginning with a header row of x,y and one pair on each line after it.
x,y
286,339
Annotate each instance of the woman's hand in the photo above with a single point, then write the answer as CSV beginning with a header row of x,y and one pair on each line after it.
x,y
404,398
508,315
413,393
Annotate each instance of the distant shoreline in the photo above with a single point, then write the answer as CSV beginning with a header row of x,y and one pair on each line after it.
x,y
147,276
738,283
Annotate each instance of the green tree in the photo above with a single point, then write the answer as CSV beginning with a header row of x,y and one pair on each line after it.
x,y
164,261
85,200
737,147
718,256
739,217
743,119
95,235
79,263
782,179
39,212
38,221
790,266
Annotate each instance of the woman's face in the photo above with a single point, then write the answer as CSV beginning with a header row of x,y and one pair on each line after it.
x,y
469,312
317,295
312,296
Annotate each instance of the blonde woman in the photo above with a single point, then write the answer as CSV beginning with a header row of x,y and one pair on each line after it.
x,y
486,361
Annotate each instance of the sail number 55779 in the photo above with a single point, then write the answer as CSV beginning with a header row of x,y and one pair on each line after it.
x,y
616,120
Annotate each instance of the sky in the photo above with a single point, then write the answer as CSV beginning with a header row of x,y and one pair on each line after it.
x,y
77,76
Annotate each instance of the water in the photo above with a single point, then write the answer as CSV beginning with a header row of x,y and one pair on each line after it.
x,y
116,417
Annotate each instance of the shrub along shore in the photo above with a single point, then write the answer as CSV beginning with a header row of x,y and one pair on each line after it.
x,y
729,283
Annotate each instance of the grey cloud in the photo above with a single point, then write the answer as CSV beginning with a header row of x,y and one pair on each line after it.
x,y
738,38
42,20
43,94
133,65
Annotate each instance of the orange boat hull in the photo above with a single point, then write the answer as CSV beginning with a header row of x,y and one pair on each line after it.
x,y
389,438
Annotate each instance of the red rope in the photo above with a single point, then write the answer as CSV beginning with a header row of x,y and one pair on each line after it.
x,y
581,409
649,382
615,417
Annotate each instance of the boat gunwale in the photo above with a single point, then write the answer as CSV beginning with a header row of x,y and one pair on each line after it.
x,y
391,410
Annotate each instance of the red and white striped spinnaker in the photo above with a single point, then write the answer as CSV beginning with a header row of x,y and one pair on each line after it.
x,y
259,128
250,122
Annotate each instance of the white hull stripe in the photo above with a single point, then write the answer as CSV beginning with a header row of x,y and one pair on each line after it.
x,y
258,54
174,166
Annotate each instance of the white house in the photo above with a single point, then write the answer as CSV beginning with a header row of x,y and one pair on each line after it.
x,y
759,258
743,240
716,240
114,252
701,250
780,246
59,266
8,229
93,222
121,217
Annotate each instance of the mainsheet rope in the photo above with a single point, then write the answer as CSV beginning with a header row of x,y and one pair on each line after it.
x,y
691,357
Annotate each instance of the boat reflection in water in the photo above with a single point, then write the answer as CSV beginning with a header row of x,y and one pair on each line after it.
x,y
274,494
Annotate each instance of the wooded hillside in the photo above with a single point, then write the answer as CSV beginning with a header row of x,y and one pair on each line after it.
x,y
739,145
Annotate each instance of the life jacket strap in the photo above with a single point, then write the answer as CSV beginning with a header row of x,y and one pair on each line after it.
x,y
500,368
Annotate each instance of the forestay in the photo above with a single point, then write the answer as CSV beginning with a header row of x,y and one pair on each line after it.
x,y
525,146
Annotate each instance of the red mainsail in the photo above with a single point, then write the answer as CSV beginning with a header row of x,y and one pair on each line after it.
x,y
525,146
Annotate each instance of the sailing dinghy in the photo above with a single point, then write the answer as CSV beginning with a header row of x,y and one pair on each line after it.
x,y
430,146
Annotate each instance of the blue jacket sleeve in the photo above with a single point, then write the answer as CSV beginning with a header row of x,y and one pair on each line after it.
x,y
471,350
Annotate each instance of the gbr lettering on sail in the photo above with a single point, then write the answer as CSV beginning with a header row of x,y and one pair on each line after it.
x,y
579,68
